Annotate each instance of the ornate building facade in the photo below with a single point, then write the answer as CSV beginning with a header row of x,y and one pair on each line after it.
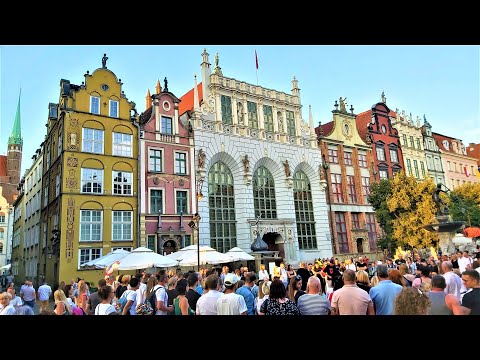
x,y
258,166
167,175
432,154
375,128
458,166
346,161
473,150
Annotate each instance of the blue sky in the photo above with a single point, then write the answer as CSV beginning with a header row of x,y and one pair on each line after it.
x,y
441,82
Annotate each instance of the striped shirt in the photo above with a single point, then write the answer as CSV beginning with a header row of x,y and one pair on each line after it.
x,y
313,304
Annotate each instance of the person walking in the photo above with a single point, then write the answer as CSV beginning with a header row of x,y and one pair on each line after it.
x,y
44,293
452,280
28,294
383,295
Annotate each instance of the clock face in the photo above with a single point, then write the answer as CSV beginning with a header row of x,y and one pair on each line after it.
x,y
104,87
384,129
445,144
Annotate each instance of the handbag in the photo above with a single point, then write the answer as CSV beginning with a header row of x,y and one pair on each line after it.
x,y
144,308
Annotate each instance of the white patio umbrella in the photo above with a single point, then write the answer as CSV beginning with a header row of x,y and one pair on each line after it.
x,y
206,257
143,258
6,267
183,251
108,259
238,254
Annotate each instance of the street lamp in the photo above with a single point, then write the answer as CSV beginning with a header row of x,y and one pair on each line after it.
x,y
194,225
330,218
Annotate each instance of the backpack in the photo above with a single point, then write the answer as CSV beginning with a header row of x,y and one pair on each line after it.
x,y
152,298
121,303
144,308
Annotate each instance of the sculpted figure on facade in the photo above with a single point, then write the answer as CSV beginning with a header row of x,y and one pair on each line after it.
x,y
240,118
342,104
246,164
280,122
286,167
201,158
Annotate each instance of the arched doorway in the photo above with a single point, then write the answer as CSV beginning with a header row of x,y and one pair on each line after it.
x,y
275,242
360,245
169,246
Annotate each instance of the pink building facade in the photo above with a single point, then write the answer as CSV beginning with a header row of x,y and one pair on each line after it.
x,y
167,182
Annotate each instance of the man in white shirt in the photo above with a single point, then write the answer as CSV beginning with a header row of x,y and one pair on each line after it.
x,y
161,295
230,303
131,305
44,293
28,294
207,304
464,261
453,281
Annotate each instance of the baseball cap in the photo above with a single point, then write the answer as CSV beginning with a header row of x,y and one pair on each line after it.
x,y
231,279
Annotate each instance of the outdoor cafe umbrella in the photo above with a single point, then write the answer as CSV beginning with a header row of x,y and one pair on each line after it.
x,y
6,267
143,258
191,248
108,259
238,254
206,257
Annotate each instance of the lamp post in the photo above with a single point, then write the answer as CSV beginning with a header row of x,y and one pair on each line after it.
x,y
330,218
195,223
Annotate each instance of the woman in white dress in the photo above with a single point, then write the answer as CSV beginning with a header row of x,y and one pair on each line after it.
x,y
263,274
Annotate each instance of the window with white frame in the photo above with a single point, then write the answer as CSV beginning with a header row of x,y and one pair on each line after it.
x,y
155,160
182,203
122,225
156,201
94,104
122,182
394,155
380,153
166,125
92,181
87,255
57,185
2,218
60,142
180,163
45,196
92,141
114,108
126,248
2,234
90,225
383,173
122,144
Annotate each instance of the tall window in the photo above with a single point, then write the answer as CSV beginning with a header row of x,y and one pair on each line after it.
x,y
415,167
122,225
347,157
45,195
352,195
2,236
114,108
48,160
394,155
355,221
187,240
264,194
122,144
290,123
92,141
156,201
422,168
151,242
409,167
341,232
405,143
372,231
94,104
380,153
90,225
366,188
302,198
155,160
226,103
383,173
166,125
221,203
2,218
57,186
60,146
252,114
412,143
337,188
419,147
180,163
182,204
362,160
92,181
87,255
122,182
268,118
333,156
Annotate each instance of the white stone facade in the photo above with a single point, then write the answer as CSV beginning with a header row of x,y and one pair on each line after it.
x,y
229,143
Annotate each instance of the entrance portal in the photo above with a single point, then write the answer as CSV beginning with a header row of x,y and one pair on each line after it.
x,y
275,242
169,246
360,246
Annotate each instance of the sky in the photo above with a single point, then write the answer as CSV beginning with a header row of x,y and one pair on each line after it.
x,y
441,82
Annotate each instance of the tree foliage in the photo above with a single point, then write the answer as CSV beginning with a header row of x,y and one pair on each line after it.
x,y
379,192
464,204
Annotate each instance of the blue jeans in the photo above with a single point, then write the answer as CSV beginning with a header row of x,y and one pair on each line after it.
x,y
30,303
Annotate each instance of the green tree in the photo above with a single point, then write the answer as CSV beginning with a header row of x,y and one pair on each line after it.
x,y
379,192
464,204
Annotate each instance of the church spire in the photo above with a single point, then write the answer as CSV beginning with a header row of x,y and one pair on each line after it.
x,y
16,137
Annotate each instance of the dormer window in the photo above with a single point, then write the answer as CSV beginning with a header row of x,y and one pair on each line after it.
x,y
95,105
445,144
114,108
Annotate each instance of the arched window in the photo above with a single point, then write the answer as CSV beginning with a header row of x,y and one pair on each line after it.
x,y
264,194
2,234
221,202
302,197
1,248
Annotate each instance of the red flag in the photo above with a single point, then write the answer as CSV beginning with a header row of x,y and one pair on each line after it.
x,y
465,169
256,58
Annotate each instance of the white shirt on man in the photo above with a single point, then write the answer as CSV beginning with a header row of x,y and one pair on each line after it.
x,y
16,301
454,284
263,275
161,295
44,292
463,262
141,293
207,304
231,304
28,293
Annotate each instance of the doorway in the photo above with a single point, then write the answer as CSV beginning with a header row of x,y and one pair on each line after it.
x,y
275,242
360,245
169,246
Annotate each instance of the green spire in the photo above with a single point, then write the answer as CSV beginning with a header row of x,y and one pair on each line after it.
x,y
16,137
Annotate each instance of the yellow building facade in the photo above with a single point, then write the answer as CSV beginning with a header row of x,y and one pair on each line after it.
x,y
411,138
89,202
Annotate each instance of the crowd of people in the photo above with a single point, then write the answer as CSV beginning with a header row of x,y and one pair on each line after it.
x,y
447,285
